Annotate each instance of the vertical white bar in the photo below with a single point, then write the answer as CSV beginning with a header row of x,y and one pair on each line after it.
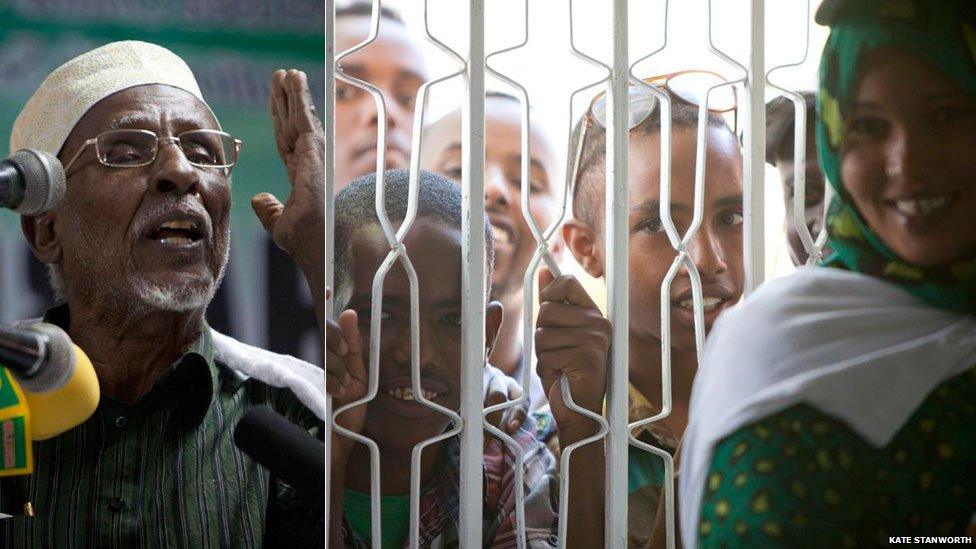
x,y
473,279
617,281
754,157
329,109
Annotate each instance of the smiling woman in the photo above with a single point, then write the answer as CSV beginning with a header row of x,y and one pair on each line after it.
x,y
872,357
906,158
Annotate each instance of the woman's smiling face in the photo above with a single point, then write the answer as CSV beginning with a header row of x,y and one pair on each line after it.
x,y
907,158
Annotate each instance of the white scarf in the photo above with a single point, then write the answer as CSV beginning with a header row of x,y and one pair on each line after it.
x,y
852,346
306,380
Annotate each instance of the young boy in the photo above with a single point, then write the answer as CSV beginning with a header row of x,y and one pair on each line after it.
x,y
716,251
514,241
394,419
780,127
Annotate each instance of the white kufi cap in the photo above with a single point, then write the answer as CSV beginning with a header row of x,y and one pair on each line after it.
x,y
73,88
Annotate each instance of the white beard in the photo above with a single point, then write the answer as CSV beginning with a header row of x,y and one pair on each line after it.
x,y
152,296
174,298
140,295
135,293
178,298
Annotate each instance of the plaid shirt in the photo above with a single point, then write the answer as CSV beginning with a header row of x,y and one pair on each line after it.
x,y
440,507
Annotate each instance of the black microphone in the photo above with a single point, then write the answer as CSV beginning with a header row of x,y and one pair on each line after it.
x,y
22,351
31,182
284,449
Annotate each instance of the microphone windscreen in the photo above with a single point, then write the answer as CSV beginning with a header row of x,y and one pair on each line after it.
x,y
59,359
285,449
44,180
21,350
59,410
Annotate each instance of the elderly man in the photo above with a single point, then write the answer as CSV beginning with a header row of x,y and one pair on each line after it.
x,y
137,249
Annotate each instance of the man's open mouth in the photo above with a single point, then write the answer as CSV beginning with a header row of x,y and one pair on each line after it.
x,y
178,228
401,388
397,396
502,231
177,233
715,299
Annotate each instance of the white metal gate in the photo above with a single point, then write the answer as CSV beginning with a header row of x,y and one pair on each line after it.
x,y
474,65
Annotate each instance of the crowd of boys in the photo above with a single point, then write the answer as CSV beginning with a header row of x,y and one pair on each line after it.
x,y
571,336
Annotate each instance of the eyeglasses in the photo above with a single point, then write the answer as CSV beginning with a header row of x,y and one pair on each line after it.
x,y
689,86
134,148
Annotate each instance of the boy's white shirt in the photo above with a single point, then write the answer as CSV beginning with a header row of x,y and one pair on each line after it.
x,y
852,346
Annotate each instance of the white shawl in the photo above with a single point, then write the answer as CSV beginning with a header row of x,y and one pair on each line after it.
x,y
849,345
306,380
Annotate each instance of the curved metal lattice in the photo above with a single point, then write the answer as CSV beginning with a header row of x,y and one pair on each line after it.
x,y
614,77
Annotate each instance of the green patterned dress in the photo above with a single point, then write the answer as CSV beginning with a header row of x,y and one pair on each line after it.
x,y
798,477
787,479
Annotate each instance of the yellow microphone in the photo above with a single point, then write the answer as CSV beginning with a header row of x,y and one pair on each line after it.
x,y
67,394
57,380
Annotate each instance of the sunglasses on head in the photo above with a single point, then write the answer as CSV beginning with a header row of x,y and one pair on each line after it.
x,y
688,86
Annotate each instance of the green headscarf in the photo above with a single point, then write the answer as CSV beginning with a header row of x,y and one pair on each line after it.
x,y
943,33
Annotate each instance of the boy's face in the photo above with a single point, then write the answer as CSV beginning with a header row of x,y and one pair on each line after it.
x,y
716,248
514,243
394,419
813,213
393,63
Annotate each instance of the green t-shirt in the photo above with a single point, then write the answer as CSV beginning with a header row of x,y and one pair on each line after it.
x,y
645,482
643,469
396,517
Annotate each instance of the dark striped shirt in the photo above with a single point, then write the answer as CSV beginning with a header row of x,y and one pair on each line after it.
x,y
162,473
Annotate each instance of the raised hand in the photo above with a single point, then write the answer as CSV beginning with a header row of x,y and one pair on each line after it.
x,y
299,222
298,225
572,338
